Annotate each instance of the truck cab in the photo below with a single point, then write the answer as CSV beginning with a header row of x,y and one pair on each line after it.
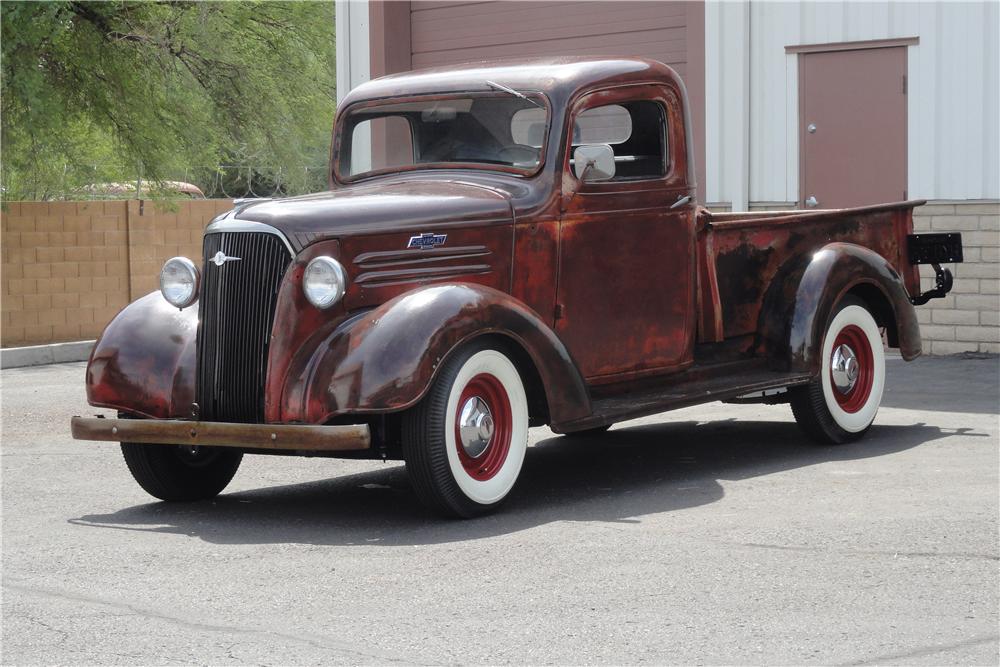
x,y
503,245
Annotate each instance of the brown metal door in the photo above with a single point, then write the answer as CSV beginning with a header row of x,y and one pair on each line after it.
x,y
852,127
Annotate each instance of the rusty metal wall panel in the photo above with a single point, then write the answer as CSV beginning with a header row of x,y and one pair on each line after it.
x,y
447,33
853,127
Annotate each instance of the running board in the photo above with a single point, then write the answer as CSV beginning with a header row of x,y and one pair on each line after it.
x,y
612,409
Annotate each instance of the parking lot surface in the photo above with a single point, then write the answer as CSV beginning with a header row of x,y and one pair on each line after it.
x,y
714,534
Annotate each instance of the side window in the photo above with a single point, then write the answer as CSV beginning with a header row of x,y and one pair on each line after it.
x,y
636,132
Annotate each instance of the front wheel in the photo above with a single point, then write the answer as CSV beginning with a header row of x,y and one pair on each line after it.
x,y
464,443
839,405
178,472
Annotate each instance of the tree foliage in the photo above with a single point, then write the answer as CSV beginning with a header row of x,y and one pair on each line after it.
x,y
160,89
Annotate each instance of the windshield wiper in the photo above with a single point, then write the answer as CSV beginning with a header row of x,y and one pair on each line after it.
x,y
497,86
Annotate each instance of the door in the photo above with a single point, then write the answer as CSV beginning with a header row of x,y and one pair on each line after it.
x,y
852,127
625,291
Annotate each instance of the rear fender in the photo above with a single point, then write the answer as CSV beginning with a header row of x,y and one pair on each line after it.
x,y
144,362
385,359
799,304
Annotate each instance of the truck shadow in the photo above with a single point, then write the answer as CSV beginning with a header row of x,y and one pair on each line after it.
x,y
620,477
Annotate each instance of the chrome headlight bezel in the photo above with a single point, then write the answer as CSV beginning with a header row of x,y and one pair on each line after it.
x,y
189,283
324,282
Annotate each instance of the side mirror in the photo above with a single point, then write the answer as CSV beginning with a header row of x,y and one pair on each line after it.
x,y
594,162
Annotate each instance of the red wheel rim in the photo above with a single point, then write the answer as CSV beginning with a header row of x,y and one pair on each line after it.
x,y
490,390
855,398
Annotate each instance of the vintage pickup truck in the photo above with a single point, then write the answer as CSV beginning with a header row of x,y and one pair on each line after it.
x,y
503,245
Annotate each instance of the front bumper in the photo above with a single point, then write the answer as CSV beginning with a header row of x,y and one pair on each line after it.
x,y
279,437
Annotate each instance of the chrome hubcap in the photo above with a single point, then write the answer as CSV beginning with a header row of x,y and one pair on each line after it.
x,y
475,426
844,369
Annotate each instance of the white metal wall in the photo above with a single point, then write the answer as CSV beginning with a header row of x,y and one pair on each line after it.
x,y
354,63
752,93
353,50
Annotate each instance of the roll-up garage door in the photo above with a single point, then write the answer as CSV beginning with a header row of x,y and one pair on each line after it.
x,y
445,33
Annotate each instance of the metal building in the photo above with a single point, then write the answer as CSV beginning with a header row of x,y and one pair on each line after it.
x,y
825,104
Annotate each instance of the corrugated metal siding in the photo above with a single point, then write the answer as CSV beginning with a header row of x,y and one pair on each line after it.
x,y
953,105
353,52
727,111
445,33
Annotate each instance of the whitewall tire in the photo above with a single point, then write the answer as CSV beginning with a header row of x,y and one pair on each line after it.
x,y
841,403
465,442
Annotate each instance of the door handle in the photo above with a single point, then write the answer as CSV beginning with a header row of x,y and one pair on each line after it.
x,y
812,202
681,200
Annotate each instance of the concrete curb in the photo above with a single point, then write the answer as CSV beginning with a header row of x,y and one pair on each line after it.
x,y
38,355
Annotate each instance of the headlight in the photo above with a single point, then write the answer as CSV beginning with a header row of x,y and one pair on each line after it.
x,y
324,282
179,280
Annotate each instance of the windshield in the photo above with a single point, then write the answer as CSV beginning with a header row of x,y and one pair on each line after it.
x,y
493,130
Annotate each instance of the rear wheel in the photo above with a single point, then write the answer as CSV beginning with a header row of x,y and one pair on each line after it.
x,y
179,473
839,405
464,443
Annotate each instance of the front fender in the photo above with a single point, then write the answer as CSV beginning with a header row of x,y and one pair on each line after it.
x,y
385,359
144,362
800,303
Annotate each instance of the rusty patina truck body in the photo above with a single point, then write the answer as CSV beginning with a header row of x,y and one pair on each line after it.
x,y
520,246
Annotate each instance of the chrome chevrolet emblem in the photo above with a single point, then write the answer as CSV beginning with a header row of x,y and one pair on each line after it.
x,y
221,258
427,240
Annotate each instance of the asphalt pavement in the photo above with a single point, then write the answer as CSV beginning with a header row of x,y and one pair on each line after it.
x,y
714,534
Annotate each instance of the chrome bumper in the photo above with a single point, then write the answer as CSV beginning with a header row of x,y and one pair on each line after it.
x,y
287,437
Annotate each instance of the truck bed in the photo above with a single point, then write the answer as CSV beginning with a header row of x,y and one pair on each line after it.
x,y
739,255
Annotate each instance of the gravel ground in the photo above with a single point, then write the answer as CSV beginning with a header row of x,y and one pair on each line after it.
x,y
714,534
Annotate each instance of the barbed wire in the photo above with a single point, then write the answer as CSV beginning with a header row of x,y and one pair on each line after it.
x,y
230,181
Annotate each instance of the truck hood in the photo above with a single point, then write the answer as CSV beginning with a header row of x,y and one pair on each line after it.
x,y
378,207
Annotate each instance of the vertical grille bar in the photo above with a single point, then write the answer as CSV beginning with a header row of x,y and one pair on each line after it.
x,y
236,314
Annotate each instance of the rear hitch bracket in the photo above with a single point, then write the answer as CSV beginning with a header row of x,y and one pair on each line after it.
x,y
934,249
943,281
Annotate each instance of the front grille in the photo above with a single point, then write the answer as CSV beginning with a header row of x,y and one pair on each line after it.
x,y
235,315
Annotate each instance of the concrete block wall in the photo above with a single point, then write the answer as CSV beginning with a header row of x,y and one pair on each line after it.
x,y
64,269
69,267
773,205
157,233
968,319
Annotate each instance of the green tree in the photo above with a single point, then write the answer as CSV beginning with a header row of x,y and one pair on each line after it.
x,y
98,91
